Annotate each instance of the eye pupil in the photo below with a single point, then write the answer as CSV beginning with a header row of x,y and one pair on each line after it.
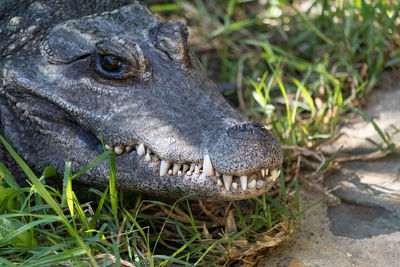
x,y
110,63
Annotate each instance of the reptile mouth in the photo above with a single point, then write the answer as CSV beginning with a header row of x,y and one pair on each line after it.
x,y
228,183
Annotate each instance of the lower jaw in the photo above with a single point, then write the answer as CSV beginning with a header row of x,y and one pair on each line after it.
x,y
197,187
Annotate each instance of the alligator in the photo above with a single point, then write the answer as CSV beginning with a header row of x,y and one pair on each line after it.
x,y
78,77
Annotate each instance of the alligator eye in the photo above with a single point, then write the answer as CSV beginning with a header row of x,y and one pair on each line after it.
x,y
110,64
119,59
113,67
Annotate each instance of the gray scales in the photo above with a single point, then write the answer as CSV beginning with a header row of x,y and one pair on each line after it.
x,y
73,72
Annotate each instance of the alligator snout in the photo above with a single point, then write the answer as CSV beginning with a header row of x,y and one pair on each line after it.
x,y
245,148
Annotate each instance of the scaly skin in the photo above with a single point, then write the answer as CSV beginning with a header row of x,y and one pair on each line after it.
x,y
70,77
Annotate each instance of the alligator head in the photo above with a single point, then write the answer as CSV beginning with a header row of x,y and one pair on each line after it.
x,y
128,79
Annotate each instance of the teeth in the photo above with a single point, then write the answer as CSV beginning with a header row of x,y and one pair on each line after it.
x,y
252,184
274,174
185,167
196,169
192,166
243,182
147,158
207,166
227,181
264,172
164,166
119,150
204,166
176,168
141,150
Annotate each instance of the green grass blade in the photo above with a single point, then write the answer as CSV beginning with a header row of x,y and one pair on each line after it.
x,y
56,258
27,227
113,189
92,164
5,173
48,198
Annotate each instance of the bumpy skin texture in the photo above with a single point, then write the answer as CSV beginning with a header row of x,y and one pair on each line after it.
x,y
70,77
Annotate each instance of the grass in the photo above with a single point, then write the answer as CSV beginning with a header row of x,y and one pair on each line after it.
x,y
296,68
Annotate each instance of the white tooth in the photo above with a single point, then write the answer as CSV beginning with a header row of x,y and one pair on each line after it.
x,y
164,166
108,147
227,181
252,184
189,173
274,174
235,185
196,169
185,167
119,150
128,148
207,167
243,182
266,171
263,172
147,158
200,165
220,183
180,173
192,166
170,172
141,150
176,168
